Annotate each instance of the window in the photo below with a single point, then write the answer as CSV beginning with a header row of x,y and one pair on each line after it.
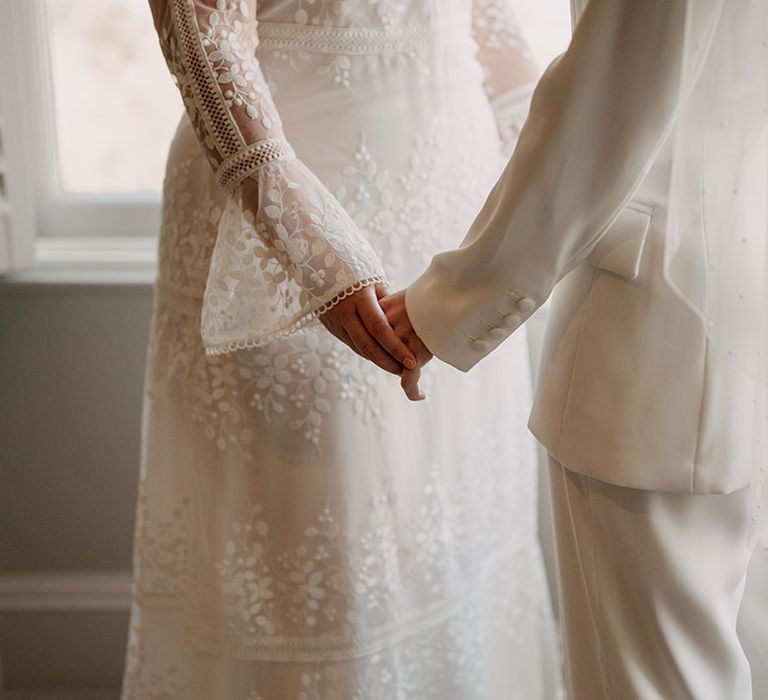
x,y
76,77
108,76
92,110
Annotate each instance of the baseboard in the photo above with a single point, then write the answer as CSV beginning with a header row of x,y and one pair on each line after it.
x,y
60,694
59,591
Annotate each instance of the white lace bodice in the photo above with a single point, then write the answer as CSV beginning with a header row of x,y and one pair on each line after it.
x,y
286,249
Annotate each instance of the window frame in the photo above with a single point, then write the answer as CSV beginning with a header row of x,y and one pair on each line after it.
x,y
17,204
50,227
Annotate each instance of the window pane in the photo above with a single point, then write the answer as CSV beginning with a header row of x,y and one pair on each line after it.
x,y
547,27
116,105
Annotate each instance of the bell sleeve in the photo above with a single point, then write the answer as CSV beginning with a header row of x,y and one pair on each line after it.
x,y
286,250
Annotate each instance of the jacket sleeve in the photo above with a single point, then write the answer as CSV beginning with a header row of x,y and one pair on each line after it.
x,y
508,64
598,118
286,250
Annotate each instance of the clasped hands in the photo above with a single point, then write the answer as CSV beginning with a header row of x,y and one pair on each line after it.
x,y
376,326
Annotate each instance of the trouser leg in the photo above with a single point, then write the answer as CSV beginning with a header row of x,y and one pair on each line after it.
x,y
753,618
650,586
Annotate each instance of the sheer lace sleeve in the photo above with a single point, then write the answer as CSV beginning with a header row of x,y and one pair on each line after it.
x,y
286,250
510,70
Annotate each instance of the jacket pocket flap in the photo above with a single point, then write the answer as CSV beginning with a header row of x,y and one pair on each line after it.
x,y
621,247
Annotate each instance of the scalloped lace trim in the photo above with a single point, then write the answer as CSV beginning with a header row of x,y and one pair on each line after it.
x,y
307,318
246,162
356,40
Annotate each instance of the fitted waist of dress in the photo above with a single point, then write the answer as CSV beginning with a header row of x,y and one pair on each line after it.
x,y
359,40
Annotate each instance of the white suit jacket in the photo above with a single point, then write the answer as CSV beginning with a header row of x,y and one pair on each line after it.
x,y
630,391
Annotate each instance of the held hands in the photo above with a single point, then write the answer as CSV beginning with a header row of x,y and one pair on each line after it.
x,y
397,315
377,327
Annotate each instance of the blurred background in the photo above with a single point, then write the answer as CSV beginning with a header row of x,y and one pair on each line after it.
x,y
87,110
115,112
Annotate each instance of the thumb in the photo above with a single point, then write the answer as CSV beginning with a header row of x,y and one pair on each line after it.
x,y
409,381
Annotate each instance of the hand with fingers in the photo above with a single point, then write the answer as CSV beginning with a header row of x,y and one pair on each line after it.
x,y
397,316
360,322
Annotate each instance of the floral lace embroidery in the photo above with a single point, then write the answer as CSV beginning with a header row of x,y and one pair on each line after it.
x,y
500,41
190,221
452,651
292,383
211,52
339,577
231,45
161,570
403,215
334,40
395,213
329,12
274,270
495,21
295,382
319,12
285,249
344,69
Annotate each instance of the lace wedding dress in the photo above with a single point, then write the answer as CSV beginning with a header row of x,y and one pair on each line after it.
x,y
304,532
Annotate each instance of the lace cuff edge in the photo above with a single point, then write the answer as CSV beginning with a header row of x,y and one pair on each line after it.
x,y
251,159
297,324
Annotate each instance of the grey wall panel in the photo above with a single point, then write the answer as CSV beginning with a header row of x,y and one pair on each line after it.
x,y
63,650
70,397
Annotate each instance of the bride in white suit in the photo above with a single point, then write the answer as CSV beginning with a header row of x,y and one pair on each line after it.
x,y
303,533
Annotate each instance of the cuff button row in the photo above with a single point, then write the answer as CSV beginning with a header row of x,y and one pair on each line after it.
x,y
526,305
506,324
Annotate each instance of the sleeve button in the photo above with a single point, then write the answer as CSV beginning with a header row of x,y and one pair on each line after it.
x,y
512,321
497,333
481,345
526,305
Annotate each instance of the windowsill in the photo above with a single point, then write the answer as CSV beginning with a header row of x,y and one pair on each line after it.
x,y
100,261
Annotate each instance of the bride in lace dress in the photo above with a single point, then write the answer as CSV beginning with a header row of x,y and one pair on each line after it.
x,y
304,532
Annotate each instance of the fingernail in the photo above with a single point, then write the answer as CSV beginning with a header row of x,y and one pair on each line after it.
x,y
409,363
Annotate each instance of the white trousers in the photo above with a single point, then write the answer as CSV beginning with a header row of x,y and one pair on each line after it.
x,y
650,586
